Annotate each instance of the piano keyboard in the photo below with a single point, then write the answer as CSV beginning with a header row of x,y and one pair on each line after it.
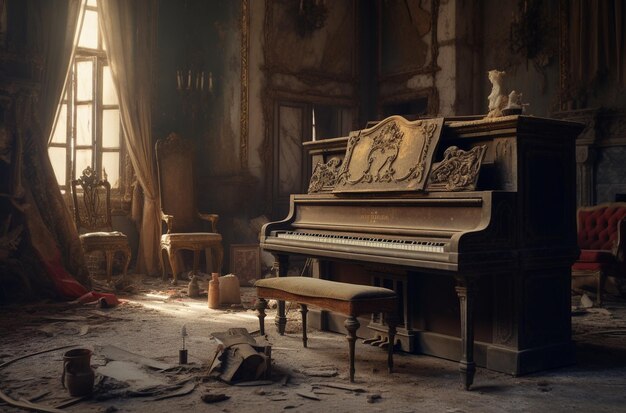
x,y
397,244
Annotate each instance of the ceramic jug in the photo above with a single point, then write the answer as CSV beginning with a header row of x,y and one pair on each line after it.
x,y
78,376
214,291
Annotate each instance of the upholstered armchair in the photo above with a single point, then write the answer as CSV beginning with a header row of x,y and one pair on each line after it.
x,y
184,224
601,233
92,212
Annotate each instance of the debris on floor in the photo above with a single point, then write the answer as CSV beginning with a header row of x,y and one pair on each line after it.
x,y
239,357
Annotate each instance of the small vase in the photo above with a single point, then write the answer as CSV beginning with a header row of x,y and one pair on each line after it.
x,y
193,289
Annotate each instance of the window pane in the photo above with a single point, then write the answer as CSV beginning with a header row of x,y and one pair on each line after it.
x,y
91,3
83,125
109,95
59,163
84,80
89,33
83,160
111,128
60,130
111,164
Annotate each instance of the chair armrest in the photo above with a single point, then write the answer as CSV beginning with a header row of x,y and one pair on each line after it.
x,y
212,218
168,219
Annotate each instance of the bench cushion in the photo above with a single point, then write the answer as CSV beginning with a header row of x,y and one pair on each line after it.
x,y
315,287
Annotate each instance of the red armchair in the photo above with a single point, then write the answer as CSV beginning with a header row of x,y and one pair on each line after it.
x,y
601,233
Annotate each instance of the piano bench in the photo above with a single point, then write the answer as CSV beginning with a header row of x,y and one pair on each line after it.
x,y
351,300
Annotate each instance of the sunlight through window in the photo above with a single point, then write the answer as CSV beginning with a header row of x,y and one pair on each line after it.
x,y
87,130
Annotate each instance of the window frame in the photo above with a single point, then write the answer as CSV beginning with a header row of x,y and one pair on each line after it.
x,y
120,195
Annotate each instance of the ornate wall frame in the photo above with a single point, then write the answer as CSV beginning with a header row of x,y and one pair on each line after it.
x,y
311,81
243,113
309,77
429,68
564,56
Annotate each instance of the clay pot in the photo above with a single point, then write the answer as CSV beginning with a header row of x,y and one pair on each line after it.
x,y
78,376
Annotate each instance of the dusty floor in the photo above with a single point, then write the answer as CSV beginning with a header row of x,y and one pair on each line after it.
x,y
149,323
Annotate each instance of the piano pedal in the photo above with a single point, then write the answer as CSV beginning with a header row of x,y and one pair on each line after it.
x,y
371,340
385,343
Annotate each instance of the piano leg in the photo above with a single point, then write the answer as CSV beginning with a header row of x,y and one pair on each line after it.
x,y
282,265
467,367
392,321
352,325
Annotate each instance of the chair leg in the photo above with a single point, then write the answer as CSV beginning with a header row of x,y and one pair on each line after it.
x,y
352,325
216,253
171,254
260,306
196,260
304,310
163,267
109,259
127,254
218,256
601,282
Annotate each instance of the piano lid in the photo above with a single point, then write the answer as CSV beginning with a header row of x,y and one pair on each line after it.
x,y
394,155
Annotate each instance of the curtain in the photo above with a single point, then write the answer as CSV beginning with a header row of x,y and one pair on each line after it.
x,y
128,28
597,41
51,246
62,17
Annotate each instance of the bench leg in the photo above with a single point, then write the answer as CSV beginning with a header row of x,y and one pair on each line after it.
x,y
281,319
392,322
261,305
352,325
303,311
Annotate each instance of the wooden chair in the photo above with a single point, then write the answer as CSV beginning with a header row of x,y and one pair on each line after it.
x,y
92,212
178,208
602,243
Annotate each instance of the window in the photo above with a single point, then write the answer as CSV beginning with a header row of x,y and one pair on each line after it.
x,y
87,130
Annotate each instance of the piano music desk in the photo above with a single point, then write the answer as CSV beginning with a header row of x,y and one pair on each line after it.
x,y
348,299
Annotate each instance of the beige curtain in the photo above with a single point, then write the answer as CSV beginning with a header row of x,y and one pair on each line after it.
x,y
597,41
61,18
128,28
52,236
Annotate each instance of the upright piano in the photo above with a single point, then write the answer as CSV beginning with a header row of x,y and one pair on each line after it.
x,y
471,222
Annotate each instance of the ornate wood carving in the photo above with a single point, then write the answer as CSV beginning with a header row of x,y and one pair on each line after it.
x,y
324,176
394,155
458,171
